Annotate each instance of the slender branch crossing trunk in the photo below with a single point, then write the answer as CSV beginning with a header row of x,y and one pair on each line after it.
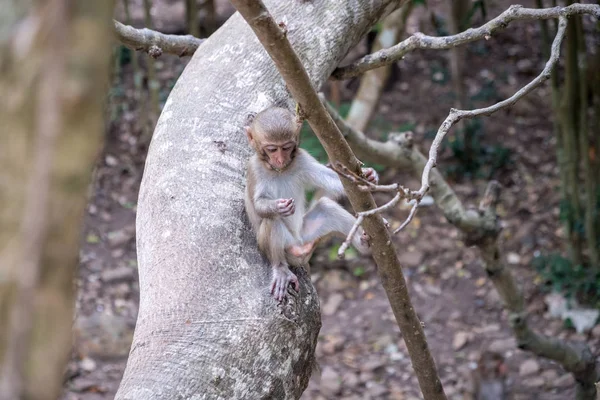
x,y
273,38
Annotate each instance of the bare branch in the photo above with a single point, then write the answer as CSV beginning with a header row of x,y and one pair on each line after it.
x,y
351,234
411,215
421,41
361,216
362,183
457,115
155,43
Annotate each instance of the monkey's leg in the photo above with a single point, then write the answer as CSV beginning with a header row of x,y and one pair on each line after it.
x,y
328,217
280,238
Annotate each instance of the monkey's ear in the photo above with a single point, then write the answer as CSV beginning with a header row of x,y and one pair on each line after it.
x,y
248,133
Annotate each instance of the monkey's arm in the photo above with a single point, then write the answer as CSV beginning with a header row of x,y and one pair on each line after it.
x,y
267,207
317,176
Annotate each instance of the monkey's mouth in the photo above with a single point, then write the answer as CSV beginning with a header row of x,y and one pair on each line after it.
x,y
279,169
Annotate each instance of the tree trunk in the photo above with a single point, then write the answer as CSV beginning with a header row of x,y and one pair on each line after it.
x,y
458,55
54,86
372,82
153,106
569,122
191,15
207,323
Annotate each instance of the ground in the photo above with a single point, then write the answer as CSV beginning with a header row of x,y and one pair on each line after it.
x,y
360,351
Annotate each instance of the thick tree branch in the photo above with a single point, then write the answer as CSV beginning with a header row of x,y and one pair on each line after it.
x,y
273,38
155,43
421,41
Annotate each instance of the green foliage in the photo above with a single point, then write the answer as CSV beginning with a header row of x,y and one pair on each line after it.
x,y
378,27
359,271
575,281
474,159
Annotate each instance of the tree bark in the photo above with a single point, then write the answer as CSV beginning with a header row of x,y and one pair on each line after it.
x,y
207,323
52,122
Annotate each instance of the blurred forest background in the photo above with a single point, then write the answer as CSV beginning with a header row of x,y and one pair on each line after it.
x,y
543,152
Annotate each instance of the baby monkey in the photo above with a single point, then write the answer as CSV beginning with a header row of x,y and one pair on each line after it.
x,y
279,174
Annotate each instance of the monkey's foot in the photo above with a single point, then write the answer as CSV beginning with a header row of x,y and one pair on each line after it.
x,y
362,243
301,251
282,277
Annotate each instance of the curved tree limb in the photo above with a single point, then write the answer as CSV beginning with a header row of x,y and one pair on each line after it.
x,y
273,37
421,41
155,43
207,325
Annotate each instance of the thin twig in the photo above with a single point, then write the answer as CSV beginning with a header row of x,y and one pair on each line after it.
x,y
411,215
420,41
346,243
402,193
362,183
155,43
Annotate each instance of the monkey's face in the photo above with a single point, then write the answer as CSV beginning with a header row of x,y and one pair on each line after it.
x,y
279,155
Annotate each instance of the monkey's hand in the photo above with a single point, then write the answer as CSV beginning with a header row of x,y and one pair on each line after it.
x,y
282,277
285,207
371,175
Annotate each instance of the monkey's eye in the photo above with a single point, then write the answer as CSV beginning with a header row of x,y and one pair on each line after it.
x,y
288,147
271,149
